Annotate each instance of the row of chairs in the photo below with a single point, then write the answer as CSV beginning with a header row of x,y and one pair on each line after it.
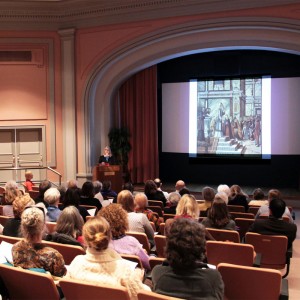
x,y
41,286
231,251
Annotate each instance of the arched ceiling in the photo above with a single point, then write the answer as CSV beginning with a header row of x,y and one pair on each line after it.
x,y
57,14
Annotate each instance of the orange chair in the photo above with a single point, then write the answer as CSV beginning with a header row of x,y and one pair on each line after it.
x,y
145,295
241,215
154,261
26,285
51,227
161,229
133,258
3,219
160,243
224,235
157,209
243,226
243,282
273,249
78,290
227,252
168,216
155,203
236,208
142,238
253,209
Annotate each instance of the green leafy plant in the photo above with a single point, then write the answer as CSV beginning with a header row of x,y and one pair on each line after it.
x,y
119,144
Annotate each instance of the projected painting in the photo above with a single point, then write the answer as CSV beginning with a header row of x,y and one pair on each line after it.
x,y
229,116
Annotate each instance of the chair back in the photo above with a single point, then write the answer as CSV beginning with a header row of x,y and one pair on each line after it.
x,y
253,209
157,209
146,295
273,249
155,203
33,194
154,261
3,219
284,218
243,282
161,229
51,227
9,239
160,243
168,216
142,238
227,252
1,210
69,252
133,258
78,290
241,215
24,284
224,235
243,225
236,208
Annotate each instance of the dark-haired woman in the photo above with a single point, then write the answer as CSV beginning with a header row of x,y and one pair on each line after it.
x,y
218,215
184,275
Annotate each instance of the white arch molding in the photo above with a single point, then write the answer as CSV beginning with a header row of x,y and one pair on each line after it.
x,y
268,34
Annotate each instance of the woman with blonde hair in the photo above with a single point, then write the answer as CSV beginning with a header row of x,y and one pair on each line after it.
x,y
11,192
137,222
30,252
102,264
117,218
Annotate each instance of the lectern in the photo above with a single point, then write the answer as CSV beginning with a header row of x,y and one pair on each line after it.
x,y
112,173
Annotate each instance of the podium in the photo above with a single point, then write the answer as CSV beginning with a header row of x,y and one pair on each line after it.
x,y
112,173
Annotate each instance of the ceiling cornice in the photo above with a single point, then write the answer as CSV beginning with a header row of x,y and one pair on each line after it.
x,y
56,14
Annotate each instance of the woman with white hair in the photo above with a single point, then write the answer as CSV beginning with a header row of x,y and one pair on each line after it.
x,y
224,188
11,192
52,197
30,252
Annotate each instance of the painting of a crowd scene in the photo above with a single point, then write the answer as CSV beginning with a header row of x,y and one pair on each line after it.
x,y
229,116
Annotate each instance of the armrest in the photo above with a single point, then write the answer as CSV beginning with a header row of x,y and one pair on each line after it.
x,y
284,293
257,260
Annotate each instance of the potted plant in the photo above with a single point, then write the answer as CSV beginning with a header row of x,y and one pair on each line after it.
x,y
120,147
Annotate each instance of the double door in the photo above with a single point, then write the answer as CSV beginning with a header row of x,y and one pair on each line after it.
x,y
22,148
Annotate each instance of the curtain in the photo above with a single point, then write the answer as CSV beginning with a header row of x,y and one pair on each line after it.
x,y
138,112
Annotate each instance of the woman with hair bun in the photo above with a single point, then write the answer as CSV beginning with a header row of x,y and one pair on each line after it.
x,y
31,252
103,265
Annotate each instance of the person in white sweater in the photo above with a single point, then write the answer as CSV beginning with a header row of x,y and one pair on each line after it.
x,y
103,265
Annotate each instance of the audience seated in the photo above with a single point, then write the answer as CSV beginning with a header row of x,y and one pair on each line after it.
x,y
43,187
87,195
28,184
52,197
72,184
158,183
97,191
218,216
258,198
128,186
107,192
72,198
137,222
238,197
117,218
172,203
274,225
180,184
12,226
225,189
183,275
184,191
102,264
264,209
153,193
208,195
141,203
30,252
11,192
68,228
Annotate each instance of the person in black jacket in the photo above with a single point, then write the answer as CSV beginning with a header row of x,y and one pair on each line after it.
x,y
107,158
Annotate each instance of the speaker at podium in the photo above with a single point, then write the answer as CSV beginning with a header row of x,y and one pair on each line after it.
x,y
113,173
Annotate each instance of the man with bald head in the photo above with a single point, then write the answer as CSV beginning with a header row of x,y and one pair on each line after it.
x,y
180,184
